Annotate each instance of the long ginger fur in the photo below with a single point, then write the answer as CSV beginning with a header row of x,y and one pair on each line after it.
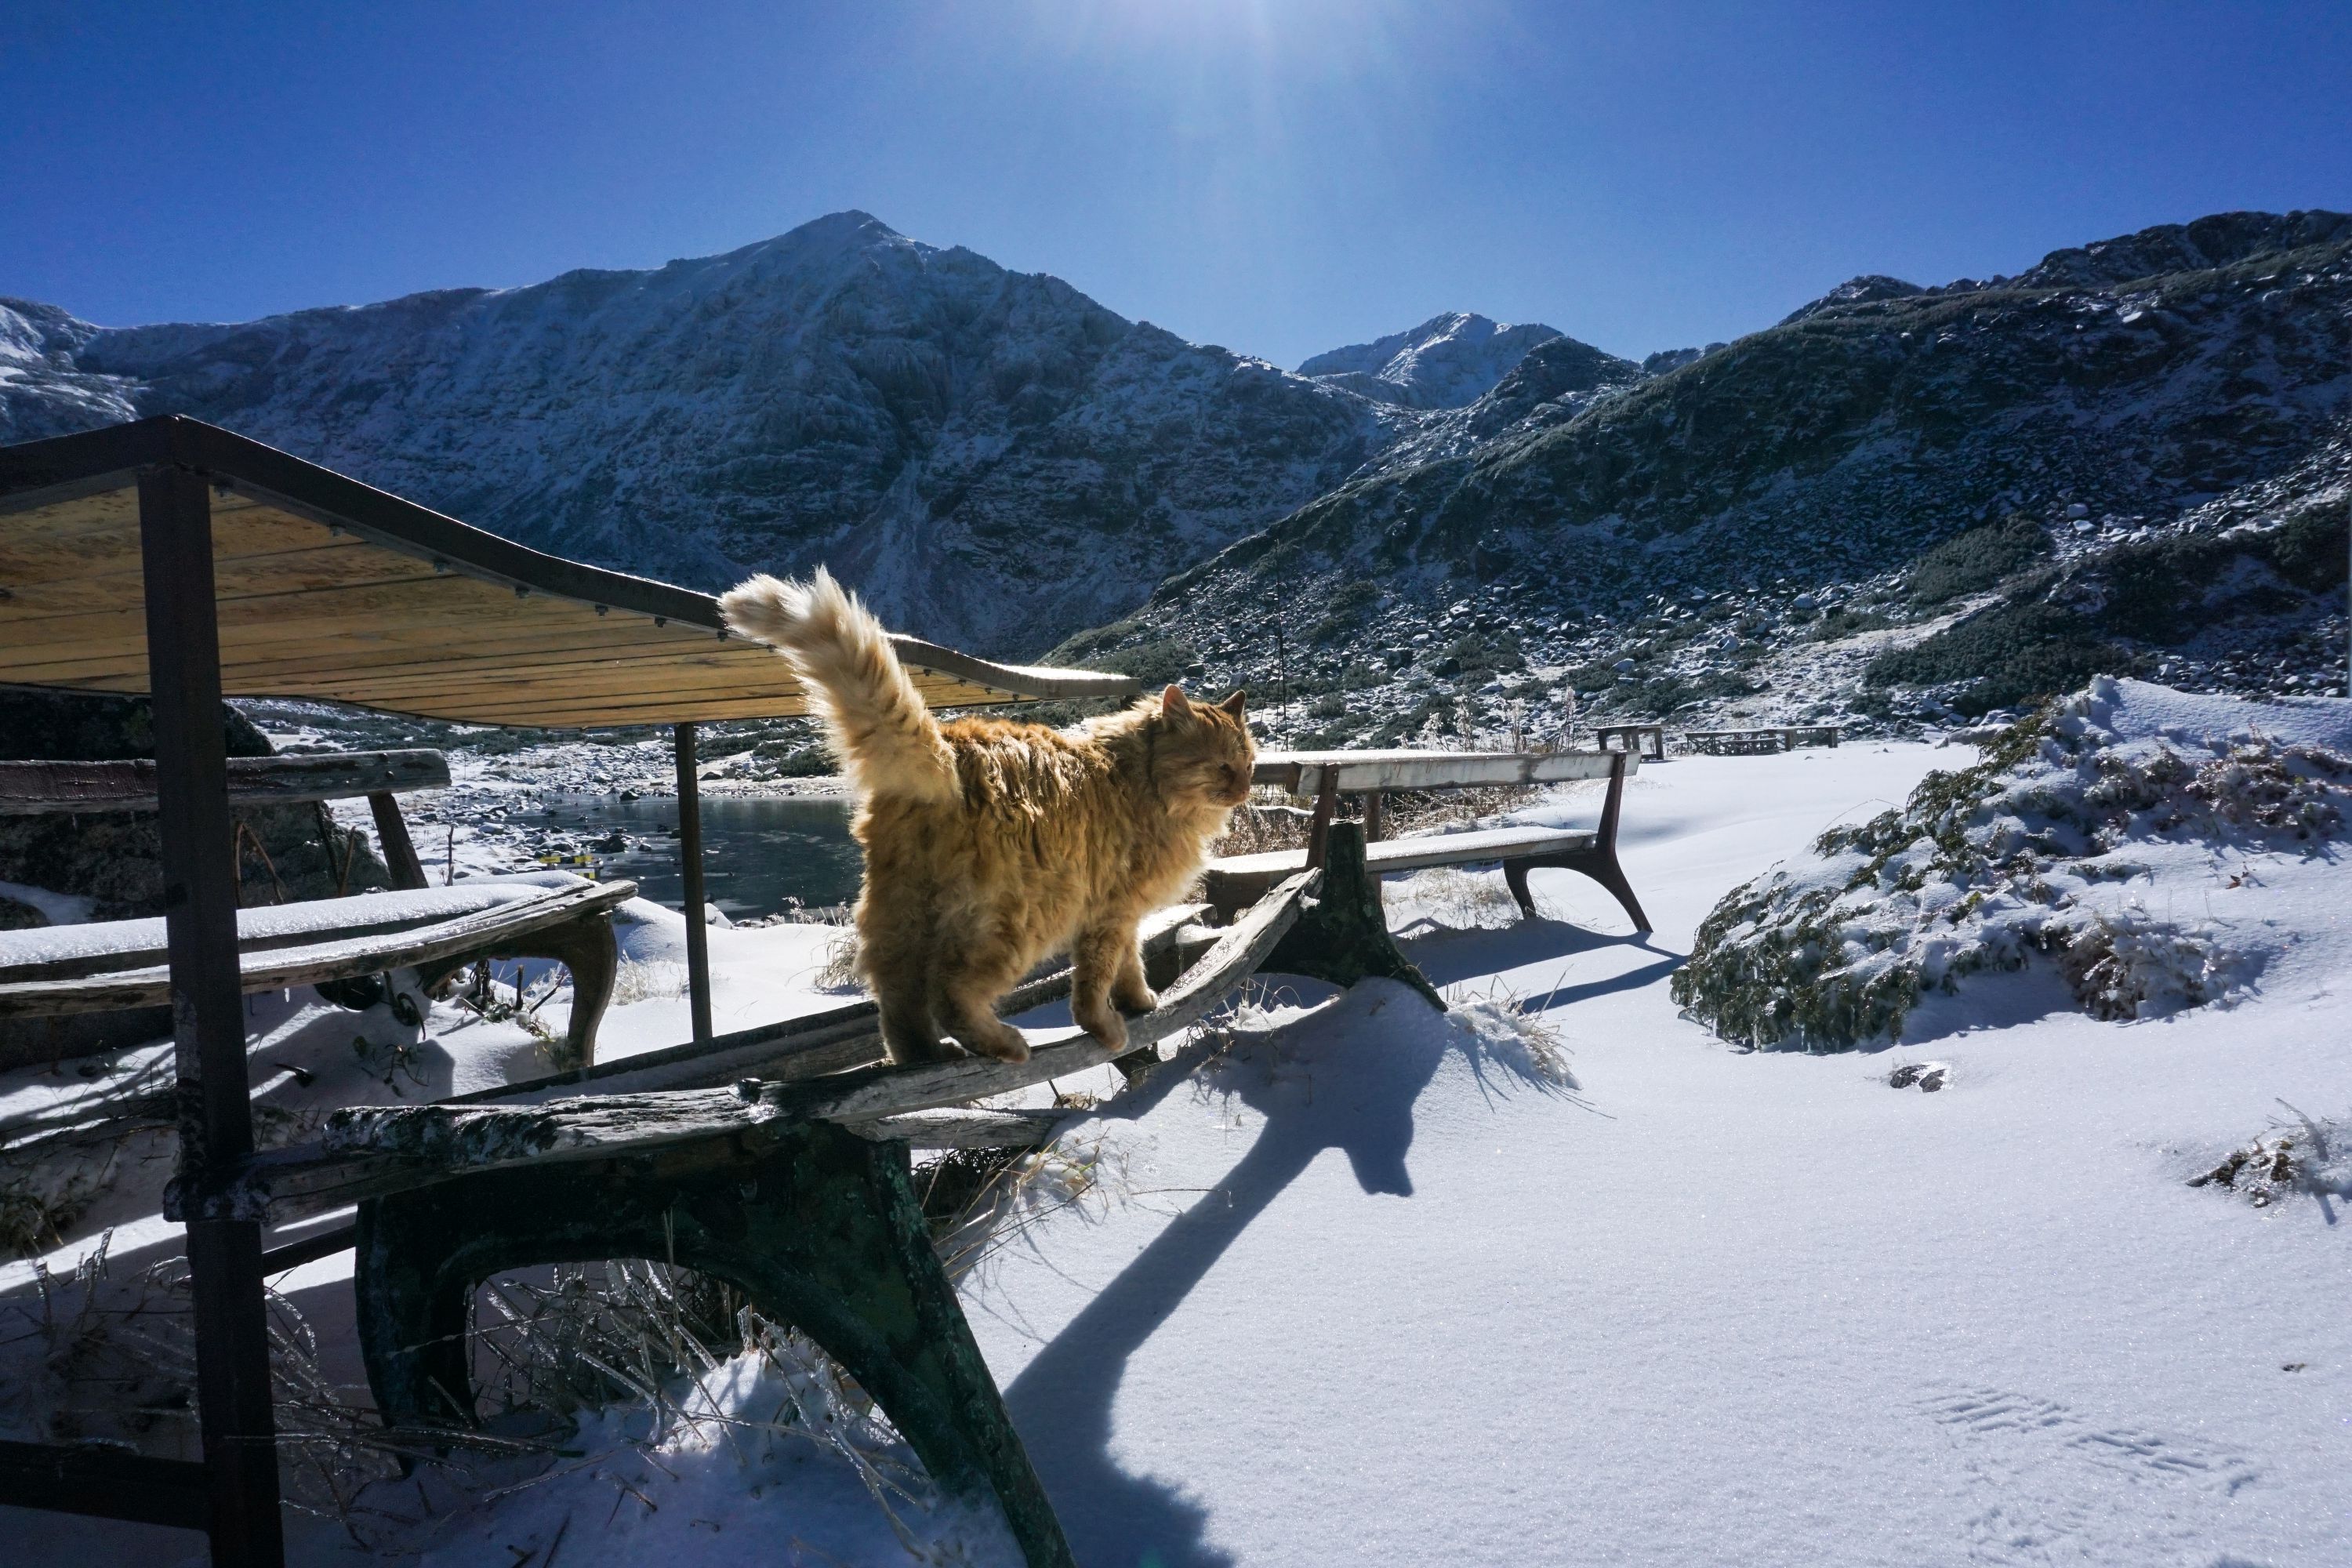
x,y
990,845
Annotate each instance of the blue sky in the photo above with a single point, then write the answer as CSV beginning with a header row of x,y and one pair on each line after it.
x,y
1279,176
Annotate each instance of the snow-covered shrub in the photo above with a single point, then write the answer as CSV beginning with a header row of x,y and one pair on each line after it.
x,y
2054,847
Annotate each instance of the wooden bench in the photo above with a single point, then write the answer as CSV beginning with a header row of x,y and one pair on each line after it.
x,y
794,1188
1633,737
1233,882
1760,742
339,945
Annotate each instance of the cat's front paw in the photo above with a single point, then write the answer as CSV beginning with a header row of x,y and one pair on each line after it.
x,y
1108,1028
1015,1049
1142,999
994,1038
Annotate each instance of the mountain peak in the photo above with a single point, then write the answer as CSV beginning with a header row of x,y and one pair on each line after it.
x,y
1861,291
1449,361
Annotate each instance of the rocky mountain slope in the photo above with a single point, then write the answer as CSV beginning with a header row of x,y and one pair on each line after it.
x,y
993,457
2135,456
1447,361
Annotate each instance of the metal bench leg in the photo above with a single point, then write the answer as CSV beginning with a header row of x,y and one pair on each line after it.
x,y
588,952
1600,862
1599,865
587,948
1514,872
820,1229
1604,870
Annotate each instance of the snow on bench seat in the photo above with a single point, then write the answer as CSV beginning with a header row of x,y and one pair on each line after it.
x,y
116,964
1237,880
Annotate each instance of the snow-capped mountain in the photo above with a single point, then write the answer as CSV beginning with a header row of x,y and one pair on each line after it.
x,y
2134,455
2123,457
992,456
1447,361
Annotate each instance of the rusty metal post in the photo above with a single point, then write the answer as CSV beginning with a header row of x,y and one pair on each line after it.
x,y
689,849
215,1113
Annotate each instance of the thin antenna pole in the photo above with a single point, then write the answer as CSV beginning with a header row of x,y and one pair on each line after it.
x,y
1281,667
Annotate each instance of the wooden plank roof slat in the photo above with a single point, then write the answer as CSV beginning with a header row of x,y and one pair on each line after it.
x,y
330,589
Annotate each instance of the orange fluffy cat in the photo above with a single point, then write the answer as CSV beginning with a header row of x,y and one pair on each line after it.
x,y
990,845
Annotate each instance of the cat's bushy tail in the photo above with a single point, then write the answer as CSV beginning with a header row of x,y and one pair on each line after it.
x,y
883,734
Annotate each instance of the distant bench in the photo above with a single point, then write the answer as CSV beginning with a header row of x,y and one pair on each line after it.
x,y
1234,881
1648,739
1760,742
339,945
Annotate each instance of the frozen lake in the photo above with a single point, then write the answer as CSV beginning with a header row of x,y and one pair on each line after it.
x,y
759,853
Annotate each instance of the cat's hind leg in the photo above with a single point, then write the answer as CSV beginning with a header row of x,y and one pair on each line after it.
x,y
893,961
910,1031
1128,989
1095,961
964,991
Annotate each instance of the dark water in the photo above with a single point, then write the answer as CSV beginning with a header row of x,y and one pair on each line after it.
x,y
758,854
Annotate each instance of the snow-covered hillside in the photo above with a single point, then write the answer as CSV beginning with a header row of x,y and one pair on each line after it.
x,y
992,456
1899,504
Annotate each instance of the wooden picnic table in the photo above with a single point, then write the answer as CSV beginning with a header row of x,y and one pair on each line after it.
x,y
1761,739
1633,735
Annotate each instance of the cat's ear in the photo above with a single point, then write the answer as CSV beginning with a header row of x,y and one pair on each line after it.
x,y
1174,704
1232,704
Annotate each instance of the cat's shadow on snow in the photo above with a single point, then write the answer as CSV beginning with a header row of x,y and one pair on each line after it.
x,y
1063,1399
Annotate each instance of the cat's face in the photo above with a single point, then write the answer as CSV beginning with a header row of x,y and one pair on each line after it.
x,y
1204,755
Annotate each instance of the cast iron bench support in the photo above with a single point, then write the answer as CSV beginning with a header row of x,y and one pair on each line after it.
x,y
820,1228
1597,860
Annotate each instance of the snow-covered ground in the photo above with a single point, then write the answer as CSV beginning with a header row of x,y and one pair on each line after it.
x,y
1369,1297
1379,1285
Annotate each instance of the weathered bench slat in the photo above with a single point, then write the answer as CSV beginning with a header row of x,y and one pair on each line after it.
x,y
368,1151
111,947
372,948
1429,849
33,789
829,1040
1307,773
1236,880
965,1129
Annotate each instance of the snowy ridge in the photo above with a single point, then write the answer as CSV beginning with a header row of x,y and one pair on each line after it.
x,y
1448,361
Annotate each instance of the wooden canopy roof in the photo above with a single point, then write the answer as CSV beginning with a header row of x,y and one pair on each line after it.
x,y
330,589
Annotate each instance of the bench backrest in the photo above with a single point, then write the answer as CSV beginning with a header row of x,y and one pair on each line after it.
x,y
38,789
1355,773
